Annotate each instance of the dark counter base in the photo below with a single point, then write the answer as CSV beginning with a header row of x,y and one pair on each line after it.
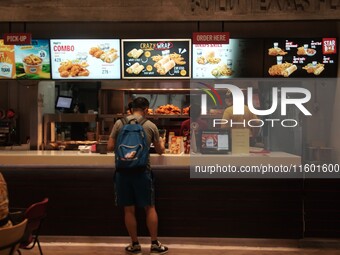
x,y
82,203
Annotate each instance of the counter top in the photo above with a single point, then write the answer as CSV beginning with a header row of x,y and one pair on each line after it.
x,y
77,158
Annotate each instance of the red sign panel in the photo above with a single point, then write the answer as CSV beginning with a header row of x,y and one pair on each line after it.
x,y
329,45
211,38
17,38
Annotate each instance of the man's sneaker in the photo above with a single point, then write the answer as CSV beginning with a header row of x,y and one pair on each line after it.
x,y
133,249
158,248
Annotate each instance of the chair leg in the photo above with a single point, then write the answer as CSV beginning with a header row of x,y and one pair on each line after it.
x,y
41,253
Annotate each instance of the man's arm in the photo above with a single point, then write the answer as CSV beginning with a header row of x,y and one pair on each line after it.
x,y
111,144
113,136
159,146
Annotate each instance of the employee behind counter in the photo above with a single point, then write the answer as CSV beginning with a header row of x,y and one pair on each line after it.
x,y
240,119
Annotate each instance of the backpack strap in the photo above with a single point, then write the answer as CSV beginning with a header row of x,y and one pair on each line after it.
x,y
124,121
143,121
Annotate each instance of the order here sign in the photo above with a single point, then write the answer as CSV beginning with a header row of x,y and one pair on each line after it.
x,y
211,38
17,38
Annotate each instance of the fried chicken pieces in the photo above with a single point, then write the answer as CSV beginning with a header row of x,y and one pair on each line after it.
x,y
168,109
276,52
68,68
185,110
32,60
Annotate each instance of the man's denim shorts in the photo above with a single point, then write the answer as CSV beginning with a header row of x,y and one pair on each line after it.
x,y
134,189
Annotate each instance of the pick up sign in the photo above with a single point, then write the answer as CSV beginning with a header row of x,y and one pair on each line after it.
x,y
17,38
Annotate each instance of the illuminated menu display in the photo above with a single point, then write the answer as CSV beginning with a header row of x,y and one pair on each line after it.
x,y
156,59
33,61
25,61
7,61
85,59
301,57
234,59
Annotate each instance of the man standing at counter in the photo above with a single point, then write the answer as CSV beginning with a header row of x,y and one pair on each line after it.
x,y
136,189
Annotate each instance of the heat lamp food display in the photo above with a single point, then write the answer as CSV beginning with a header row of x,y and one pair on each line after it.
x,y
168,109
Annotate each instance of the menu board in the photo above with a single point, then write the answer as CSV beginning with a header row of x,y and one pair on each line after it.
x,y
85,59
238,58
33,61
7,61
25,61
156,59
301,57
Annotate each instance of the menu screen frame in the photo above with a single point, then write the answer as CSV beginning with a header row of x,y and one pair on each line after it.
x,y
26,62
300,58
98,59
156,58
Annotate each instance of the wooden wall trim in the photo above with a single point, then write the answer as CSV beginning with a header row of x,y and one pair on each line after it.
x,y
169,10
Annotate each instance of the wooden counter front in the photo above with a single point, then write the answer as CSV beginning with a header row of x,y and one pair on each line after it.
x,y
76,158
81,192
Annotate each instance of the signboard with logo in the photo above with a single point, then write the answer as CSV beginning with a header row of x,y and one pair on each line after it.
x,y
85,59
25,61
210,38
33,61
304,57
17,38
233,59
156,59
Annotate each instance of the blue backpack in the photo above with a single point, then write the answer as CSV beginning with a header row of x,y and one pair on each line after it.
x,y
131,149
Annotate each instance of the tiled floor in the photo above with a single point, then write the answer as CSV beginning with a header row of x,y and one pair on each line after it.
x,y
184,246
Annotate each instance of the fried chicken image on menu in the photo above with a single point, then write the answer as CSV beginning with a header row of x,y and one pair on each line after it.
x,y
32,60
70,69
285,69
276,52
